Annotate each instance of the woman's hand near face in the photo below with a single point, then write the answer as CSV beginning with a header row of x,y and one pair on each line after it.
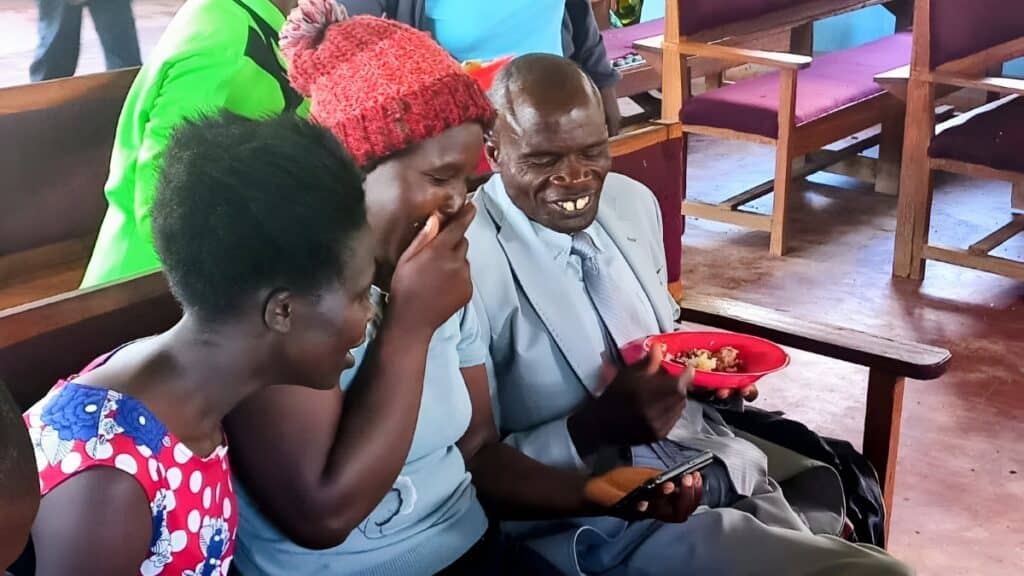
x,y
431,281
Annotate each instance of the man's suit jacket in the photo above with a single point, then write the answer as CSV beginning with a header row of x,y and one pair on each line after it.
x,y
542,368
525,316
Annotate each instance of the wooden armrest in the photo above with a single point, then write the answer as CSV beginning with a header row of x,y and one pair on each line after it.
x,y
731,54
35,318
999,84
917,361
901,74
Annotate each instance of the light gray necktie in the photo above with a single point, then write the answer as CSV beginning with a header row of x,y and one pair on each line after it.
x,y
621,314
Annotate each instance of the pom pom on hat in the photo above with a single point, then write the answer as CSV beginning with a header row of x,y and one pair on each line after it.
x,y
378,85
304,30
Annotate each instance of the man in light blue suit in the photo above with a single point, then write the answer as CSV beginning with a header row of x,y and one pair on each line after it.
x,y
568,265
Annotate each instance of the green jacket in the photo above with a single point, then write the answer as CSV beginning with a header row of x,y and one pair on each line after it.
x,y
215,54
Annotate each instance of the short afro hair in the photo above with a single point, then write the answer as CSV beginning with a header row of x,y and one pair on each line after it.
x,y
244,205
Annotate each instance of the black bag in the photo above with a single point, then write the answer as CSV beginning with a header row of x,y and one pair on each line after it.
x,y
864,505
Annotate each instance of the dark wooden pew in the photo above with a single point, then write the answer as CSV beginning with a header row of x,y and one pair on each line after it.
x,y
56,141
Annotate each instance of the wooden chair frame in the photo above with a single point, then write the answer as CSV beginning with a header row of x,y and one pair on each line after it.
x,y
799,148
913,219
890,362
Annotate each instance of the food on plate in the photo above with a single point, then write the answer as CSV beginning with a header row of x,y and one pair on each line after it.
x,y
725,359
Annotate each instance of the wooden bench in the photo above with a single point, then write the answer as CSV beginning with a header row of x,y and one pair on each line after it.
x,y
806,104
57,140
956,44
53,338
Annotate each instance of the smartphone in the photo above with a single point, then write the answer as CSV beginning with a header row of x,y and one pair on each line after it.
x,y
643,491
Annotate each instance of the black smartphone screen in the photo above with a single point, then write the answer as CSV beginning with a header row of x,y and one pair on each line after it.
x,y
678,471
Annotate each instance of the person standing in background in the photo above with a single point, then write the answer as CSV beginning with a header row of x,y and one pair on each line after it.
x,y
214,54
475,30
60,29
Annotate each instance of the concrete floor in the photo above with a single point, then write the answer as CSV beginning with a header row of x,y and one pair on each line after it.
x,y
18,36
960,480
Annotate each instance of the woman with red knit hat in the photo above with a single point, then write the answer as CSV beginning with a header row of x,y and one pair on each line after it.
x,y
371,477
373,463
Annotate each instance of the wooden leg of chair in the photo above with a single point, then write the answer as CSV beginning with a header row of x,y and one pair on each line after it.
x,y
1017,196
882,430
890,151
914,213
676,288
712,81
783,164
801,39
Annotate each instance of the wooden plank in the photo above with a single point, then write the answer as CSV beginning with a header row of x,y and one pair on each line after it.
x,y
996,84
895,81
785,153
43,284
784,19
632,141
914,206
890,153
732,54
987,263
728,134
857,167
748,196
1017,196
843,122
910,359
978,62
801,39
41,95
638,80
30,320
974,170
999,237
882,418
820,161
21,265
742,218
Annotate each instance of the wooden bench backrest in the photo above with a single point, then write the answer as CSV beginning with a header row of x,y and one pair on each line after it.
x,y
712,20
952,33
57,139
53,338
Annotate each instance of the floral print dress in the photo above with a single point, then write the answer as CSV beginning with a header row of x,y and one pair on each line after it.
x,y
77,427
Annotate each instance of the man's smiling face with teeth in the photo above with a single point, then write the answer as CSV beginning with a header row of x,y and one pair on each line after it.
x,y
550,144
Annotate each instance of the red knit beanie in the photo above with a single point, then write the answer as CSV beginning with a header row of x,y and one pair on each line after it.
x,y
380,86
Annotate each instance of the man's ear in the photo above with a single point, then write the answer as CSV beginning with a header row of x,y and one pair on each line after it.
x,y
491,150
277,312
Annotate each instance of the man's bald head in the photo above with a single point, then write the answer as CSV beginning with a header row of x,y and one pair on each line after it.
x,y
550,141
542,84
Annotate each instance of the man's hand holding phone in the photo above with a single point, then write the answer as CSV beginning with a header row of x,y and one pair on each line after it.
x,y
635,493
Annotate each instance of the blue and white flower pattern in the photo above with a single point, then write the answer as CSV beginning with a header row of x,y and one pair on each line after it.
x,y
214,537
78,426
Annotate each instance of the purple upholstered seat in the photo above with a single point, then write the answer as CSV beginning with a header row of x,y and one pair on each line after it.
x,y
618,42
833,81
994,138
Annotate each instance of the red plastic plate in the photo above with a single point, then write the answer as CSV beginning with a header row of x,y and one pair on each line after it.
x,y
760,357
